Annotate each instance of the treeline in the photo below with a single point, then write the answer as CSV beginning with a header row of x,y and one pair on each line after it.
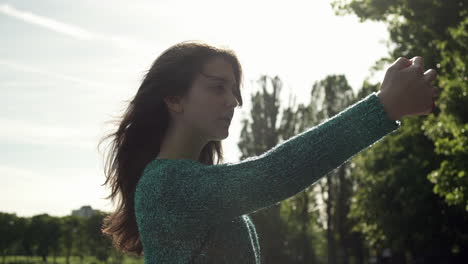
x,y
403,200
50,237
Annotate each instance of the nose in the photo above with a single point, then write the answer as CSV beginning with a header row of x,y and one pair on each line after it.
x,y
232,100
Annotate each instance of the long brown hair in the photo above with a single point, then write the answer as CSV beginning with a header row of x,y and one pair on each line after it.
x,y
141,128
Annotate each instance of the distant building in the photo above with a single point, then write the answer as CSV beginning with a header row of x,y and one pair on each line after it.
x,y
84,211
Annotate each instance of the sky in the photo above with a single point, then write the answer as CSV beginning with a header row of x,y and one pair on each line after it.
x,y
66,68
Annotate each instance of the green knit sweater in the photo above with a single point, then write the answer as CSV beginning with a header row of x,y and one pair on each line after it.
x,y
189,212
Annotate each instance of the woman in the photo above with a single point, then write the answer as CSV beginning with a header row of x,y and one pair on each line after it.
x,y
177,205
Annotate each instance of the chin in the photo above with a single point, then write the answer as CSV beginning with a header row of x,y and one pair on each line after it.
x,y
222,138
219,137
219,134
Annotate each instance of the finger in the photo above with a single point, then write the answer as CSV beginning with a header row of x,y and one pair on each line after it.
x,y
400,63
430,75
418,60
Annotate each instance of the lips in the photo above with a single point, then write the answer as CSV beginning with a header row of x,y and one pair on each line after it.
x,y
227,118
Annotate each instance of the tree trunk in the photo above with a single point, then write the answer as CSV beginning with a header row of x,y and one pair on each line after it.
x,y
306,250
330,235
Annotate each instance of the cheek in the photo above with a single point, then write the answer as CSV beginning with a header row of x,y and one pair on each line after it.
x,y
202,111
201,116
204,107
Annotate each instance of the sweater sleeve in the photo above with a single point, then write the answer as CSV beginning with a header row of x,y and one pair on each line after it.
x,y
229,190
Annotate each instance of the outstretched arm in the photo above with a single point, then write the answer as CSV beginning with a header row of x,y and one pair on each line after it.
x,y
228,190
221,192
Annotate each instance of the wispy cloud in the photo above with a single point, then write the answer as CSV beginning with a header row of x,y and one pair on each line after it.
x,y
26,132
72,30
85,83
48,23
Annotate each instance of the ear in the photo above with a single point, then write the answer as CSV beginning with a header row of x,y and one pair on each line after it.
x,y
174,103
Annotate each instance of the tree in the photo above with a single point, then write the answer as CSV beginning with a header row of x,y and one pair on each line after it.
x,y
82,247
300,213
28,242
449,130
100,245
70,225
331,96
45,232
394,192
258,136
55,232
9,234
436,30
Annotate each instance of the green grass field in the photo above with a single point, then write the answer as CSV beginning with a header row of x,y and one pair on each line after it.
x,y
62,260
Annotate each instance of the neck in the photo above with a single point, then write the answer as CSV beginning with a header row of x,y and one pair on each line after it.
x,y
181,144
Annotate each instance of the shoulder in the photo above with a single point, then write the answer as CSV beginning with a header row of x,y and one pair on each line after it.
x,y
174,166
164,174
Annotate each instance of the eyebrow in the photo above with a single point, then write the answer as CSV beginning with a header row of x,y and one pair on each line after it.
x,y
216,77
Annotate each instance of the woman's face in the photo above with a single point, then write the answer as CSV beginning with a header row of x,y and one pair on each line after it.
x,y
211,99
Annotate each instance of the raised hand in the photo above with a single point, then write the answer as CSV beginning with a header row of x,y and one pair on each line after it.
x,y
407,89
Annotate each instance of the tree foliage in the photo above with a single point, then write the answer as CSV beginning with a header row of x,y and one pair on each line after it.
x,y
286,230
400,179
49,236
437,31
